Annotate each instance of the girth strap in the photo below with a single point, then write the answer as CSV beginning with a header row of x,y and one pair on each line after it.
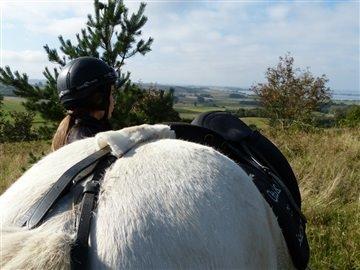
x,y
77,172
79,250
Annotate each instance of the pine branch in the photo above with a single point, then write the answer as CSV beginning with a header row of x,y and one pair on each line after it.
x,y
19,82
53,56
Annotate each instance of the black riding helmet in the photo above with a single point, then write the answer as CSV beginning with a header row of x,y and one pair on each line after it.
x,y
85,83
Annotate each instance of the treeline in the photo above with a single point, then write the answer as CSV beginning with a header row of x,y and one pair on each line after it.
x,y
341,116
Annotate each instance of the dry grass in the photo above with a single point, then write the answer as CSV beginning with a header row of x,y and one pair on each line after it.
x,y
15,156
327,164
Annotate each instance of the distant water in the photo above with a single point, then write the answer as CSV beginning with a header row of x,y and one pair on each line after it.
x,y
336,95
346,95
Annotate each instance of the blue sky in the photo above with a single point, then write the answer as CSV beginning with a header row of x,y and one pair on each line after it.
x,y
228,43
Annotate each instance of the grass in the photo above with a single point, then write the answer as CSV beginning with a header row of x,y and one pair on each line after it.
x,y
259,122
14,157
188,111
13,104
327,164
333,234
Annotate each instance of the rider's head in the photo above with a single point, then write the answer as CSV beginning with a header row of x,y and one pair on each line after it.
x,y
85,87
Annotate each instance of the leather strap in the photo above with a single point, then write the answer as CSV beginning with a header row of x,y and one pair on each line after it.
x,y
256,164
80,170
79,250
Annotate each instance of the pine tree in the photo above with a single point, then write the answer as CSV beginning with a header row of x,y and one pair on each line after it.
x,y
111,35
1,111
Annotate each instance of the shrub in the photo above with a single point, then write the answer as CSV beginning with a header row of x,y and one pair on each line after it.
x,y
291,94
18,128
256,112
138,106
351,118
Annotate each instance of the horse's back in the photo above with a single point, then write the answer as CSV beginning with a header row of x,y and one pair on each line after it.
x,y
175,204
165,204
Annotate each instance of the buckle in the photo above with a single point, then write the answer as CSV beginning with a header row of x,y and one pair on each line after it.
x,y
92,187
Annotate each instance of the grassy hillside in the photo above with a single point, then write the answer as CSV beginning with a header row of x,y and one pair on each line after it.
x,y
15,157
327,164
14,104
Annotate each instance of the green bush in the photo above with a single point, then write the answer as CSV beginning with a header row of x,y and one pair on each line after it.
x,y
18,127
256,112
323,121
351,118
135,106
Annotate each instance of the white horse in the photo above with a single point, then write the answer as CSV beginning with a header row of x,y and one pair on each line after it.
x,y
165,204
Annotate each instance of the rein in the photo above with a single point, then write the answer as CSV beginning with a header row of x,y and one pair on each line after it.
x,y
35,215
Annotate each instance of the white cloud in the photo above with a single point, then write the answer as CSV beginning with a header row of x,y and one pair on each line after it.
x,y
228,43
30,62
236,43
278,12
8,26
47,17
24,56
67,27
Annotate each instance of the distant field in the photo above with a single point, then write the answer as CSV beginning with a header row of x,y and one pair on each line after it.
x,y
262,123
191,111
214,100
347,102
13,104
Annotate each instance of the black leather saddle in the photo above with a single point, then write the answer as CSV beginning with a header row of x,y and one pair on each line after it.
x,y
235,131
270,171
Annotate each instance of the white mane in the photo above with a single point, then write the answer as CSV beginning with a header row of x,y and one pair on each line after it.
x,y
165,204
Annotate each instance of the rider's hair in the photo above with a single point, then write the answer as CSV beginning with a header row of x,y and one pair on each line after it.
x,y
62,132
